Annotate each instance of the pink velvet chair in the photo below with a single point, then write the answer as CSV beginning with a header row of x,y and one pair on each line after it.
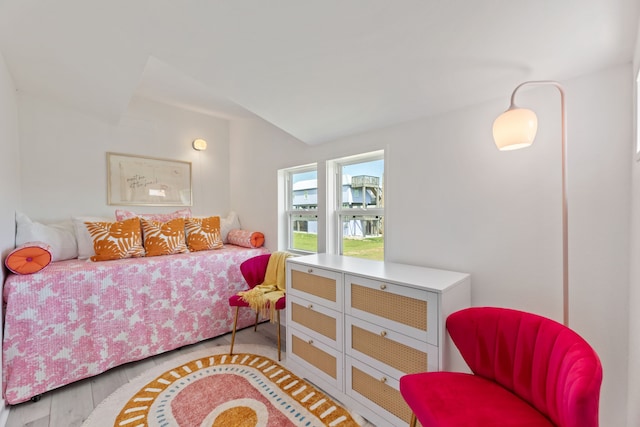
x,y
527,371
253,270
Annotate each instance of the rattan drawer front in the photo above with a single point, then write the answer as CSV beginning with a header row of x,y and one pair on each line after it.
x,y
381,390
313,355
404,358
399,308
314,284
314,320
414,312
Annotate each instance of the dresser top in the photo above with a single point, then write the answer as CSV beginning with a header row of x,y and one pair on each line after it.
x,y
412,275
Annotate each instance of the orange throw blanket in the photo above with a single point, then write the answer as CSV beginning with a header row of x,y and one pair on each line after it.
x,y
264,296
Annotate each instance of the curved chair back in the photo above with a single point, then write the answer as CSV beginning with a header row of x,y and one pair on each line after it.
x,y
254,269
543,362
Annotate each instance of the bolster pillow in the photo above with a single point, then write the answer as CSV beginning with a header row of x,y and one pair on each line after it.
x,y
246,238
28,258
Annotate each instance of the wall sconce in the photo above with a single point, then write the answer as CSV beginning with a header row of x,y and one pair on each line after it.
x,y
199,144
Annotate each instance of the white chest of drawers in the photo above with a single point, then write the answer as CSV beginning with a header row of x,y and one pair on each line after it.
x,y
355,326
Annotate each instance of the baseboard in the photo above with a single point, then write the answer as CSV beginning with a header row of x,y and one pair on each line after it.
x,y
4,413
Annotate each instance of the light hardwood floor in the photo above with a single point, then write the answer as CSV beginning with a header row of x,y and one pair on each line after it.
x,y
69,406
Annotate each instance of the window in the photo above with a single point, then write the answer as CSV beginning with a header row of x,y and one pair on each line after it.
x,y
360,206
302,209
339,210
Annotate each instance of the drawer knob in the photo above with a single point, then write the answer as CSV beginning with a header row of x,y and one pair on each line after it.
x,y
310,270
310,342
383,380
383,287
383,333
310,306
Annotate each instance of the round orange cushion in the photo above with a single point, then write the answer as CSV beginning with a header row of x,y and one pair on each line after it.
x,y
28,258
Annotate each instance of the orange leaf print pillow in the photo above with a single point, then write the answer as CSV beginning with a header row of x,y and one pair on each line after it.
x,y
203,233
116,240
164,238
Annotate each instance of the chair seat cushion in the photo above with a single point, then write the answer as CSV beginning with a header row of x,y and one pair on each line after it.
x,y
237,301
453,399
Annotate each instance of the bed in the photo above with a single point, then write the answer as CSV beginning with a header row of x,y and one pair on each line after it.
x,y
76,319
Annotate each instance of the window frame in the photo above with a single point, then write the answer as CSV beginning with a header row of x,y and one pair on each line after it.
x,y
328,211
291,213
339,212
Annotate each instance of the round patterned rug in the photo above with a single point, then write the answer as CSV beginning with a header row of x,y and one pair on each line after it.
x,y
202,389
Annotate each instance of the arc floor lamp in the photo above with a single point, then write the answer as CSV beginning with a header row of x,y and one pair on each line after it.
x,y
516,128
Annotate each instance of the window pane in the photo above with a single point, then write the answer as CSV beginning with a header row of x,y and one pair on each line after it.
x,y
362,236
362,185
304,190
304,233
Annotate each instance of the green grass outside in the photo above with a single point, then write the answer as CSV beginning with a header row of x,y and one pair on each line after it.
x,y
305,241
369,248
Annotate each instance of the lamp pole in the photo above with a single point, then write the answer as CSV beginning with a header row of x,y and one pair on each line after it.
x,y
565,217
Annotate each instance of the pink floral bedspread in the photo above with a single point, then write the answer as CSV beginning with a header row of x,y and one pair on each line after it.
x,y
76,319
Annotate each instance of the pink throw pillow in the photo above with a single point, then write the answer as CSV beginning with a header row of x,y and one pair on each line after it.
x,y
246,238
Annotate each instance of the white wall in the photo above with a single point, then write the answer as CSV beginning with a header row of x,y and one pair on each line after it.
x,y
453,201
63,156
634,300
634,280
9,177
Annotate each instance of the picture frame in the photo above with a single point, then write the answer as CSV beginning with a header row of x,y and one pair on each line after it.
x,y
148,181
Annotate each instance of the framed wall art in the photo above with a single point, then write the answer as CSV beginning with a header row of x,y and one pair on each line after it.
x,y
147,181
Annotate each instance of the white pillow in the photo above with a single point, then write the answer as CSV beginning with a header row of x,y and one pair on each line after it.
x,y
227,224
59,236
85,241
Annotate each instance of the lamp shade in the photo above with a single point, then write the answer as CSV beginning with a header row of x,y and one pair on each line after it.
x,y
515,128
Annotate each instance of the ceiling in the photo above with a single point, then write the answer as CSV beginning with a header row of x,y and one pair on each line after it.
x,y
319,70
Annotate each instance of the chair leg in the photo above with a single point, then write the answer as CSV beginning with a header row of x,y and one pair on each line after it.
x,y
233,334
413,421
278,315
255,325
